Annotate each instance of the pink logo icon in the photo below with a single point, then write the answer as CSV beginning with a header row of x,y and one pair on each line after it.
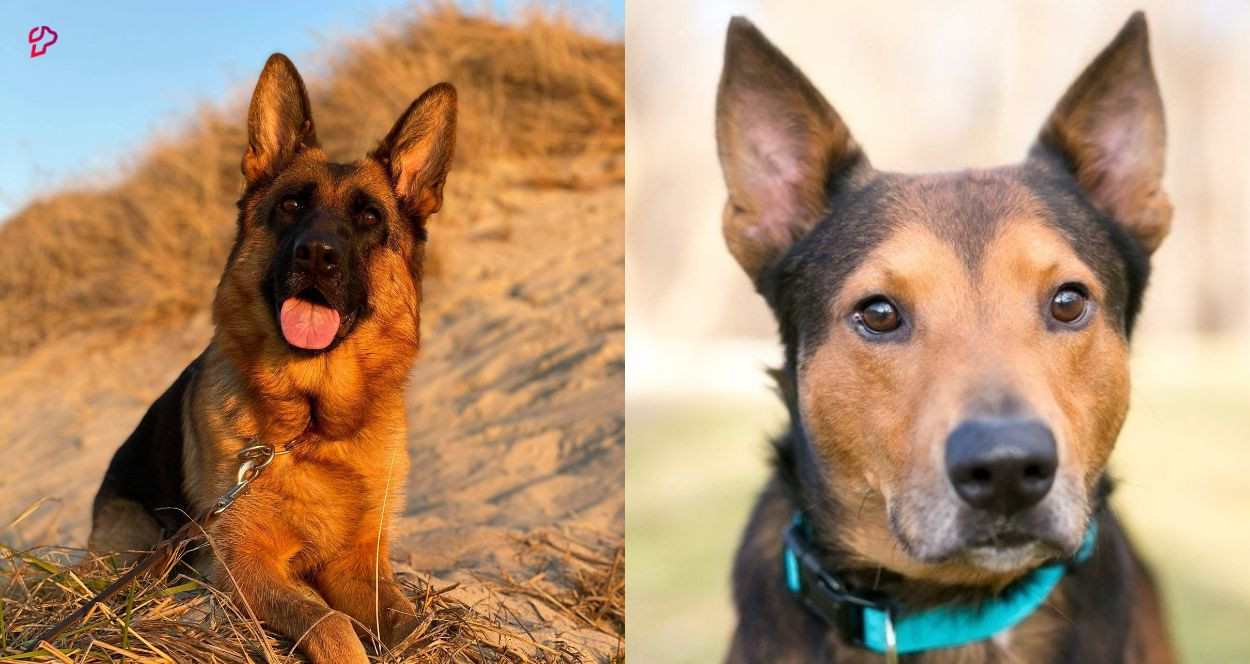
x,y
36,38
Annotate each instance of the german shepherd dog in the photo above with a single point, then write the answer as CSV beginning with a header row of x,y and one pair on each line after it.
x,y
317,327
955,371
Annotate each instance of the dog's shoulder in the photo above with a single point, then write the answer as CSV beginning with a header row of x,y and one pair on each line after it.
x,y
147,468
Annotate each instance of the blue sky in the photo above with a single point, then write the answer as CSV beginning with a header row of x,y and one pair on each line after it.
x,y
119,71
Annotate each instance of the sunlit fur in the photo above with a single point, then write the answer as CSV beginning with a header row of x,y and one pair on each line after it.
x,y
306,548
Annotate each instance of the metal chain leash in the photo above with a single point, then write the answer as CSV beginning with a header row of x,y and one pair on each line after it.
x,y
254,459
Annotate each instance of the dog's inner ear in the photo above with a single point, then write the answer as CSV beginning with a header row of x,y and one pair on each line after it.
x,y
1109,129
780,144
279,121
418,150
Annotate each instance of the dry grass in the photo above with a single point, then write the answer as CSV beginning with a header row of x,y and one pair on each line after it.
x,y
573,576
185,620
540,103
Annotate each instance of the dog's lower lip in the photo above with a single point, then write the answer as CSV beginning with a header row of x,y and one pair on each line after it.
x,y
1008,540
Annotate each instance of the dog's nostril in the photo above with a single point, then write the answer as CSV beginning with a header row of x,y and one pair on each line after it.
x,y
302,253
981,474
1034,472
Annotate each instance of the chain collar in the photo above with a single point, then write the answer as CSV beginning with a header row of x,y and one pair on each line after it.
x,y
254,458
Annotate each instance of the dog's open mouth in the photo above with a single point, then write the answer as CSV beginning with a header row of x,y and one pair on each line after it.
x,y
308,321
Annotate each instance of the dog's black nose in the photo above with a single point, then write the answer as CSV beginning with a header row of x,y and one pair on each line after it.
x,y
317,253
1001,465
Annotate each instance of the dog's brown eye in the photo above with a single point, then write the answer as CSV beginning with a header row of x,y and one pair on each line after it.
x,y
879,315
1068,304
370,217
290,205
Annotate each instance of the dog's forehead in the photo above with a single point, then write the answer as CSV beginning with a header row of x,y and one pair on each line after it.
x,y
965,210
338,180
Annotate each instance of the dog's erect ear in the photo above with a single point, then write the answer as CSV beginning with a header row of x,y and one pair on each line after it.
x,y
418,150
780,145
1109,130
279,121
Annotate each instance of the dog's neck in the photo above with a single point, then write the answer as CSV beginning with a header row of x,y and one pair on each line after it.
x,y
311,402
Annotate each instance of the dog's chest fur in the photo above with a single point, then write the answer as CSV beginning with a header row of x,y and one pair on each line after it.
x,y
332,497
327,493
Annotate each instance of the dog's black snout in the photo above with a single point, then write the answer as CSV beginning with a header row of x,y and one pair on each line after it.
x,y
318,254
1001,465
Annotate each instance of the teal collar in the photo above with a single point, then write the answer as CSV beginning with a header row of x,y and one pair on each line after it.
x,y
871,622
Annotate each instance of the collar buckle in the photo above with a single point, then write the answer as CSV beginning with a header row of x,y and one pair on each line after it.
x,y
822,593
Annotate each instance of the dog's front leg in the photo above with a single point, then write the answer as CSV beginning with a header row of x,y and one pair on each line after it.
x,y
348,581
257,569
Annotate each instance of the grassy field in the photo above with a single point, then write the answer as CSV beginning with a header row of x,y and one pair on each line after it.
x,y
694,465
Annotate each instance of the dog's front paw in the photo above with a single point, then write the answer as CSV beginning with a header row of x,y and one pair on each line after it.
x,y
401,620
333,640
405,624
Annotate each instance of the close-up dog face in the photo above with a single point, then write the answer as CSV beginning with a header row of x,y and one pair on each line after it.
x,y
958,341
324,229
319,242
971,369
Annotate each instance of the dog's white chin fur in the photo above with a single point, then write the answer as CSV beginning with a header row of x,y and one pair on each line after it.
x,y
1004,559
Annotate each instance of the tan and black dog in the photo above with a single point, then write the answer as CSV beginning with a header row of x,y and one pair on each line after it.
x,y
317,327
956,374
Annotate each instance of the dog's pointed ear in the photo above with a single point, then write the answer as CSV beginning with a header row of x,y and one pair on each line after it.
x,y
419,148
279,121
780,144
1109,130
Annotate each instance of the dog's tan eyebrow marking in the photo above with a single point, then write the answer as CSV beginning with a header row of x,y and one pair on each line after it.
x,y
1031,250
967,210
1024,261
911,265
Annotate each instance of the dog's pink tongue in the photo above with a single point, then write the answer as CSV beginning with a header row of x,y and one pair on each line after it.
x,y
307,324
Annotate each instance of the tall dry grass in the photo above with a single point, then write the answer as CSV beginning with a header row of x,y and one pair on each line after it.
x,y
537,98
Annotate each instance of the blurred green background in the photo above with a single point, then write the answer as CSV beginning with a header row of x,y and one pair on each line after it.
x,y
695,463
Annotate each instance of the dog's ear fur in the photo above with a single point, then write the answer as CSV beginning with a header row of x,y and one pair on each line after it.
x,y
279,121
1109,130
419,148
780,145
